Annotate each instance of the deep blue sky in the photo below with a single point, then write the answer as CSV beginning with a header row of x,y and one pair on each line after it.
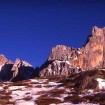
x,y
30,28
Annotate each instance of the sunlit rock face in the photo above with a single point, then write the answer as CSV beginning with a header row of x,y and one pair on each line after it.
x,y
90,56
3,59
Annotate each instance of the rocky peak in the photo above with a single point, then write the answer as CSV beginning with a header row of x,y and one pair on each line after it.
x,y
25,63
21,70
19,63
17,60
60,52
3,59
97,31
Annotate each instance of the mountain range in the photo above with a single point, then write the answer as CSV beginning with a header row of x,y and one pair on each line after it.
x,y
63,60
68,76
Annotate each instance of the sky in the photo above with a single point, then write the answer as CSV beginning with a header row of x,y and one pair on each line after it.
x,y
30,28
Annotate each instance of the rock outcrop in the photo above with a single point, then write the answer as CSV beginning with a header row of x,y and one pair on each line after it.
x,y
90,56
57,67
22,70
89,80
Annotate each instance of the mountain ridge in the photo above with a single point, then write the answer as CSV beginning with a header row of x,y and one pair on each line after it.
x,y
65,60
88,57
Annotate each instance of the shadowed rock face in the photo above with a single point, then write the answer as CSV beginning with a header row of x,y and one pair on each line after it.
x,y
22,70
5,68
6,73
90,56
9,71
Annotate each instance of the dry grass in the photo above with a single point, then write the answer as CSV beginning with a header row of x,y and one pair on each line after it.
x,y
4,100
27,98
75,99
56,92
41,92
38,86
47,101
97,98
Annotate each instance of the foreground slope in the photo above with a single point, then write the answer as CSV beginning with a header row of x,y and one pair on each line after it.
x,y
85,88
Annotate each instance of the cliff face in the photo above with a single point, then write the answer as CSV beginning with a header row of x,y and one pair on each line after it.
x,y
90,56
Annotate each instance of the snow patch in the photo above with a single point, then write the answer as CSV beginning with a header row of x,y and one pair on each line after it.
x,y
64,95
22,102
54,83
68,62
101,83
75,58
79,52
90,91
16,87
1,88
27,64
38,80
63,62
67,90
1,66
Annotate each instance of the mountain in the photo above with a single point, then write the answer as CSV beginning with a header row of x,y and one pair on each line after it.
x,y
22,70
65,60
19,70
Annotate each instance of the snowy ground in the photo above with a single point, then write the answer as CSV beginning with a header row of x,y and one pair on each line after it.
x,y
40,92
